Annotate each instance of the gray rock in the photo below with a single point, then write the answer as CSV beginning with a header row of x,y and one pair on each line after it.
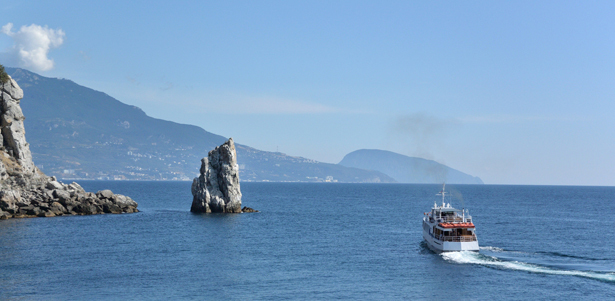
x,y
5,215
217,189
78,195
248,209
57,208
124,201
46,214
54,185
200,194
105,194
12,210
62,195
12,89
12,127
22,202
43,205
32,210
111,208
25,191
7,200
48,194
75,187
85,209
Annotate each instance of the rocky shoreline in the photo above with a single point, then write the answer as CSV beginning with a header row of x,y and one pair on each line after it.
x,y
25,191
57,199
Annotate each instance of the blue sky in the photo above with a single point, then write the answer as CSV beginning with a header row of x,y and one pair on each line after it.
x,y
517,92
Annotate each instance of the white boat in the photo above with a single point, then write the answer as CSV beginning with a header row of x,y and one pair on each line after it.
x,y
446,229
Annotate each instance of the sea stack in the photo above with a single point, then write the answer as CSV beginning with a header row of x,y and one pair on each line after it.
x,y
216,189
25,191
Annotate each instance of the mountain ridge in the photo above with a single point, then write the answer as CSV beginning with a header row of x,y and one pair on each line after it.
x,y
405,169
80,133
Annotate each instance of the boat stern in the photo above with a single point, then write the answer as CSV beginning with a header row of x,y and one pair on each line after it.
x,y
448,246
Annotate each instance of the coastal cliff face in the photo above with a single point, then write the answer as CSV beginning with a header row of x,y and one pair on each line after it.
x,y
217,189
12,133
27,192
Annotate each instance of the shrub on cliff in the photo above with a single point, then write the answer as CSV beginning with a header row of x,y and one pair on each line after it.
x,y
3,76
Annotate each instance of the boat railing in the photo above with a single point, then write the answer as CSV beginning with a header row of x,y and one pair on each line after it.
x,y
451,219
463,238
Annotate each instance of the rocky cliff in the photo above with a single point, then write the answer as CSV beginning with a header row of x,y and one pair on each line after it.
x,y
27,192
217,189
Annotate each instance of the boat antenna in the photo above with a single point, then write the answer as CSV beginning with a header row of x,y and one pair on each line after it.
x,y
460,197
463,205
442,193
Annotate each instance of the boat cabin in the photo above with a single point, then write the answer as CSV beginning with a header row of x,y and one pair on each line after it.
x,y
462,232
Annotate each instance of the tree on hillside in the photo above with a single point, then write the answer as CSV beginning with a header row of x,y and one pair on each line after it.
x,y
3,76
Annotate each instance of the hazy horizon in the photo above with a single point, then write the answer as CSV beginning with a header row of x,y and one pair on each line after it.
x,y
511,92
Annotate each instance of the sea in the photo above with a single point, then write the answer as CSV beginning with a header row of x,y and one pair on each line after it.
x,y
317,241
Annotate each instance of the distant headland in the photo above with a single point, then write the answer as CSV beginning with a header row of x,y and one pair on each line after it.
x,y
406,169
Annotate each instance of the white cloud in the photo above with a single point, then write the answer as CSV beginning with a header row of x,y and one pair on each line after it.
x,y
243,104
31,44
274,105
230,103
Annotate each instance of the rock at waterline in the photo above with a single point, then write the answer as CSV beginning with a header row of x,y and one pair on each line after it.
x,y
248,209
217,189
25,191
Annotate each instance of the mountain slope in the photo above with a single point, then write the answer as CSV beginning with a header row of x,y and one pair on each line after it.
x,y
77,132
406,169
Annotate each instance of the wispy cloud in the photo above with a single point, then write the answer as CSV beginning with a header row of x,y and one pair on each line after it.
x,y
84,55
132,80
270,105
514,119
231,103
167,85
31,45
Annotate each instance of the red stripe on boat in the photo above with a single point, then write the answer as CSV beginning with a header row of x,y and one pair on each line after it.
x,y
456,225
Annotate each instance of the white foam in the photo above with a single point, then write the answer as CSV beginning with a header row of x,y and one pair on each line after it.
x,y
492,249
476,258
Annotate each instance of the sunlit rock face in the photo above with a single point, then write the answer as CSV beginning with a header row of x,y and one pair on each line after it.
x,y
13,133
25,191
217,189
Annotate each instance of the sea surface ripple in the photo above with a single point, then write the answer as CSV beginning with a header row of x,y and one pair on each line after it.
x,y
317,242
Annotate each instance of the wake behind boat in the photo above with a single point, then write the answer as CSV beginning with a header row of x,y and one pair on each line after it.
x,y
447,229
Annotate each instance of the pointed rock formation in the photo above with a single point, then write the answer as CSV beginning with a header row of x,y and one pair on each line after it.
x,y
25,191
216,189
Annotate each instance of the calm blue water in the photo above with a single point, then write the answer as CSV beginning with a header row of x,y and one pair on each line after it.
x,y
317,241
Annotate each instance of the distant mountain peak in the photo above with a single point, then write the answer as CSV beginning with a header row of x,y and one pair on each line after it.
x,y
405,169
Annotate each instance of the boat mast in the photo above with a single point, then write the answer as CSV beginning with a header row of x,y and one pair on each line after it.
x,y
443,193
